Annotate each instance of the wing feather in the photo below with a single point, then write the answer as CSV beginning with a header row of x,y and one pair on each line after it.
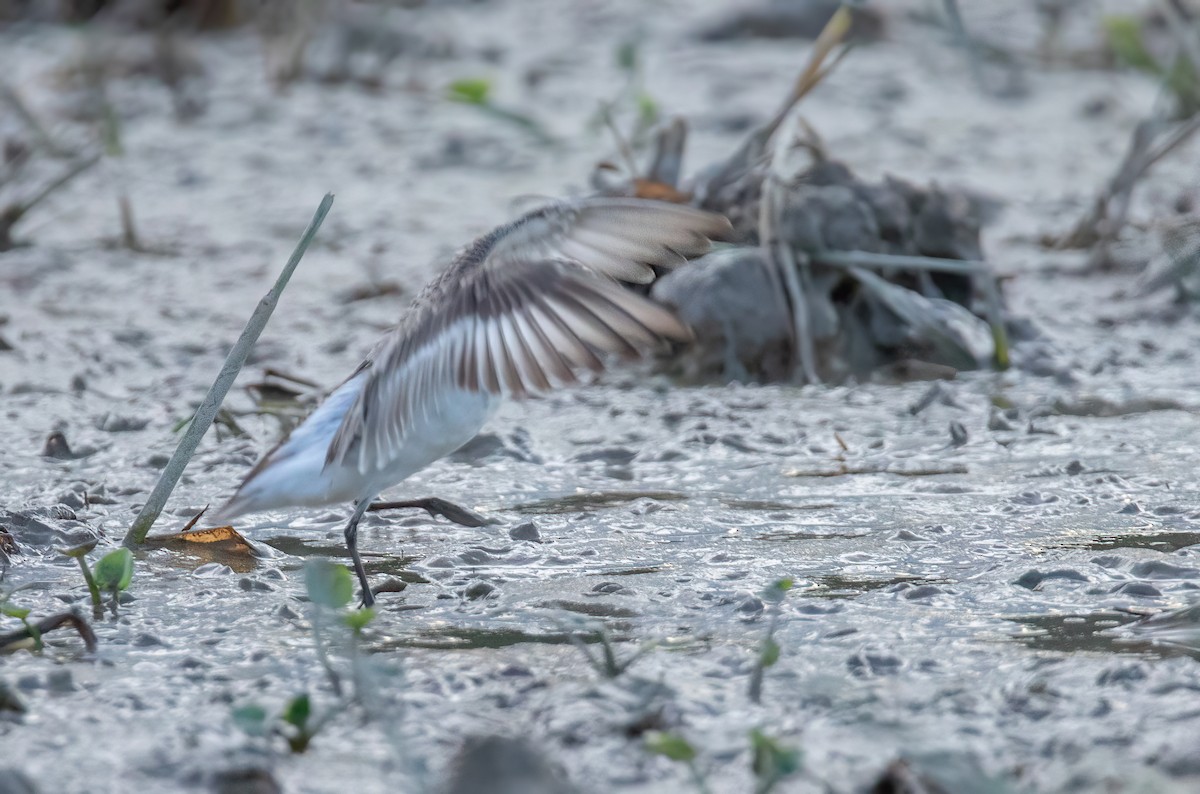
x,y
520,312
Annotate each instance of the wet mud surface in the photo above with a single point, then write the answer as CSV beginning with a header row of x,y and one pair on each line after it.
x,y
992,573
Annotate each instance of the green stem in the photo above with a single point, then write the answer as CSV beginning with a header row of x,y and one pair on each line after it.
x,y
334,680
91,583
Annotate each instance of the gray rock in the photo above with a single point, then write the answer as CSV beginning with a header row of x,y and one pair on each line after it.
x,y
730,301
526,531
14,781
786,19
478,590
829,217
503,766
245,780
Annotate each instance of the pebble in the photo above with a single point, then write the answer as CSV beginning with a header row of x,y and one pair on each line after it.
x,y
479,589
526,531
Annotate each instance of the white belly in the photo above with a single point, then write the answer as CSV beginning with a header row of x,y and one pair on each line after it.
x,y
296,473
461,417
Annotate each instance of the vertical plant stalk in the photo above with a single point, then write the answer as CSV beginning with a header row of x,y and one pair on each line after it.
x,y
110,133
91,584
782,261
752,149
9,96
216,394
335,680
959,28
11,214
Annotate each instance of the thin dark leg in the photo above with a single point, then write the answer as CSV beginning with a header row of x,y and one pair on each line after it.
x,y
352,545
438,507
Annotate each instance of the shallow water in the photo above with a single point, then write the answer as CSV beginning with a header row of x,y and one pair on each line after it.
x,y
985,623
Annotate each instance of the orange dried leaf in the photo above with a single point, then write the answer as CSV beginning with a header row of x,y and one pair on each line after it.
x,y
219,544
649,189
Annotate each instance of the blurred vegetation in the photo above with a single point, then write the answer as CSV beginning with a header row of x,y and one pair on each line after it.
x,y
1129,39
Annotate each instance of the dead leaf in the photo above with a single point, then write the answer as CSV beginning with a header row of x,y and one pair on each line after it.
x,y
648,189
224,545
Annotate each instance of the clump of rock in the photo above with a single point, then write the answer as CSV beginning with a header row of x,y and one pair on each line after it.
x,y
859,318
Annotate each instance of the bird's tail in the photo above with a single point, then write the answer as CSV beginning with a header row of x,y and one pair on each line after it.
x,y
294,473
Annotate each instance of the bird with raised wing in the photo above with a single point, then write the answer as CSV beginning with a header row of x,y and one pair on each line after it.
x,y
522,310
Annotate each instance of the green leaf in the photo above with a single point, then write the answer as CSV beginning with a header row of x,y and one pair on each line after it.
x,y
471,90
1125,38
671,745
328,584
297,712
775,593
251,719
772,760
114,570
647,109
14,612
770,653
359,618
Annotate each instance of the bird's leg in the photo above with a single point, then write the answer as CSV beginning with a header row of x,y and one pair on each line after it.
x,y
438,507
352,544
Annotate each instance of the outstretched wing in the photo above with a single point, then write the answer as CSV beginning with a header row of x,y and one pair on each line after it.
x,y
522,311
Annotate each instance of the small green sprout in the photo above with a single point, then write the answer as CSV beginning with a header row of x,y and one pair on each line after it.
x,y
358,619
470,91
680,750
328,584
477,91
1127,39
79,553
769,650
22,614
771,761
112,573
295,715
608,665
671,745
294,724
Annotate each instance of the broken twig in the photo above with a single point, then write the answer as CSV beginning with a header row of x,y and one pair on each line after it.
x,y
15,640
10,215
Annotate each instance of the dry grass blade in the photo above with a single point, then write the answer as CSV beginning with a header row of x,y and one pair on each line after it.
x,y
44,139
834,32
10,215
208,409
787,270
750,152
899,471
1103,223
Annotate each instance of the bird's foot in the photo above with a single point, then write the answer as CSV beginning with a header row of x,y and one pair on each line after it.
x,y
438,507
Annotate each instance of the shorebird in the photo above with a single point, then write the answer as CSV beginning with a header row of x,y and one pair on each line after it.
x,y
524,309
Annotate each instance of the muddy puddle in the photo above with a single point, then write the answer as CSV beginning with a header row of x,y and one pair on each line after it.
x,y
991,580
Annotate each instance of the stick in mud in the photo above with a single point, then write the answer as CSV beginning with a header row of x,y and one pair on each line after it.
x,y
216,394
17,639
